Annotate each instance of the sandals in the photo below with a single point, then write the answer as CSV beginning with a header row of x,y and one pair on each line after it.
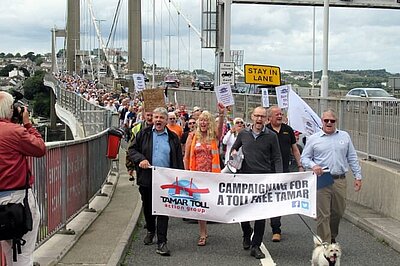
x,y
202,241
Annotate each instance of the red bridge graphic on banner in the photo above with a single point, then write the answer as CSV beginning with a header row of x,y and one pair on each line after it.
x,y
189,189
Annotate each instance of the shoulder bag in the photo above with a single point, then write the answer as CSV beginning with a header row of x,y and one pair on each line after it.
x,y
16,221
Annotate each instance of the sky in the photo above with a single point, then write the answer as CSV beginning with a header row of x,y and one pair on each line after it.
x,y
268,34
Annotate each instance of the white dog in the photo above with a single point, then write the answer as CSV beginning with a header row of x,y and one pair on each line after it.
x,y
325,254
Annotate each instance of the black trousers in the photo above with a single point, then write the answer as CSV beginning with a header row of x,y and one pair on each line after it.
x,y
259,228
153,222
276,225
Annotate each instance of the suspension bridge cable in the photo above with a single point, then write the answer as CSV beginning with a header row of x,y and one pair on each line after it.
x,y
191,26
113,70
114,23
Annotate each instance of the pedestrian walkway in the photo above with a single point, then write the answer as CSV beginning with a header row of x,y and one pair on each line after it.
x,y
102,237
383,228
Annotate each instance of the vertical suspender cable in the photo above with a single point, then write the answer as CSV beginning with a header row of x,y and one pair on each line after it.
x,y
189,49
154,43
169,36
313,52
161,32
178,40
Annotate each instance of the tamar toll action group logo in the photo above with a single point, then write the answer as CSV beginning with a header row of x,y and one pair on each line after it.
x,y
184,195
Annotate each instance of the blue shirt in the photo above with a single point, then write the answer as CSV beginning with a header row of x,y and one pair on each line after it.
x,y
161,148
335,151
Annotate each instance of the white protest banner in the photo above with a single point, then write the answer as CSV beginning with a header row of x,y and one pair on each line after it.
x,y
265,97
138,79
301,117
229,198
282,95
224,95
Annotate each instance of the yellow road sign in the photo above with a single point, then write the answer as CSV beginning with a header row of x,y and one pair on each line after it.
x,y
265,75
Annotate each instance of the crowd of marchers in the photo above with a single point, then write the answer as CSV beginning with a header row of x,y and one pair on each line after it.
x,y
198,140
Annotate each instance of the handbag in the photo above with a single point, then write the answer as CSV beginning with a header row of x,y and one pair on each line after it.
x,y
16,221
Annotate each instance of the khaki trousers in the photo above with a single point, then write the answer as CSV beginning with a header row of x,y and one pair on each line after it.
x,y
331,203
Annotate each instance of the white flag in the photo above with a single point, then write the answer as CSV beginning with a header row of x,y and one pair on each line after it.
x,y
301,117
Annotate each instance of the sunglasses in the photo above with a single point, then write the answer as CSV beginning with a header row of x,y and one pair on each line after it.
x,y
239,122
330,120
192,123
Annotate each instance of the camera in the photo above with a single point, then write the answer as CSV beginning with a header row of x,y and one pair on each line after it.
x,y
18,107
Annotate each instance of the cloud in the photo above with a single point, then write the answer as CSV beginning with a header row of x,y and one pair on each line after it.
x,y
268,34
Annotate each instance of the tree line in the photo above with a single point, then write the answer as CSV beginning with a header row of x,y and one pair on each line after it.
x,y
35,93
36,58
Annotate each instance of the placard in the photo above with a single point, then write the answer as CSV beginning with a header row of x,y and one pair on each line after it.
x,y
224,95
138,80
265,97
153,98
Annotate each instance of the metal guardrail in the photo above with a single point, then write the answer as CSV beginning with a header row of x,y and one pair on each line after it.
x,y
93,118
72,172
67,178
374,126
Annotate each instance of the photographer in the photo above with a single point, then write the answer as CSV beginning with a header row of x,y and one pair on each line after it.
x,y
16,143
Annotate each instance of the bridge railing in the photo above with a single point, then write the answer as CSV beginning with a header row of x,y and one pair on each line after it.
x,y
94,118
67,178
72,172
374,126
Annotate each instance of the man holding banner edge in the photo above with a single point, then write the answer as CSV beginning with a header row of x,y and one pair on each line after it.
x,y
261,150
155,146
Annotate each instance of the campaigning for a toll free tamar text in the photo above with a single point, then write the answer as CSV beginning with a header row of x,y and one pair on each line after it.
x,y
232,198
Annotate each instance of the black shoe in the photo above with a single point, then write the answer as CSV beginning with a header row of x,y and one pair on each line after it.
x,y
256,252
148,240
247,240
163,250
333,240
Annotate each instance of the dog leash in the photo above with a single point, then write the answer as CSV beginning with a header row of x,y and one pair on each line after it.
x,y
312,232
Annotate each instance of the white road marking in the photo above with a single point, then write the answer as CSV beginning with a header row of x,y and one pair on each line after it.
x,y
267,261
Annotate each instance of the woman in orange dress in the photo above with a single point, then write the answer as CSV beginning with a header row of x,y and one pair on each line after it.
x,y
202,154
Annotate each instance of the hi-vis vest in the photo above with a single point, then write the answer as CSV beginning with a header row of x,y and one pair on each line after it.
x,y
214,152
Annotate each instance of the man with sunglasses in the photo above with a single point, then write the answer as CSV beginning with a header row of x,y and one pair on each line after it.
x,y
173,126
331,150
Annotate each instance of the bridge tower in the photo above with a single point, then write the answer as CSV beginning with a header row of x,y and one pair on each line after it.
x,y
73,36
134,37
